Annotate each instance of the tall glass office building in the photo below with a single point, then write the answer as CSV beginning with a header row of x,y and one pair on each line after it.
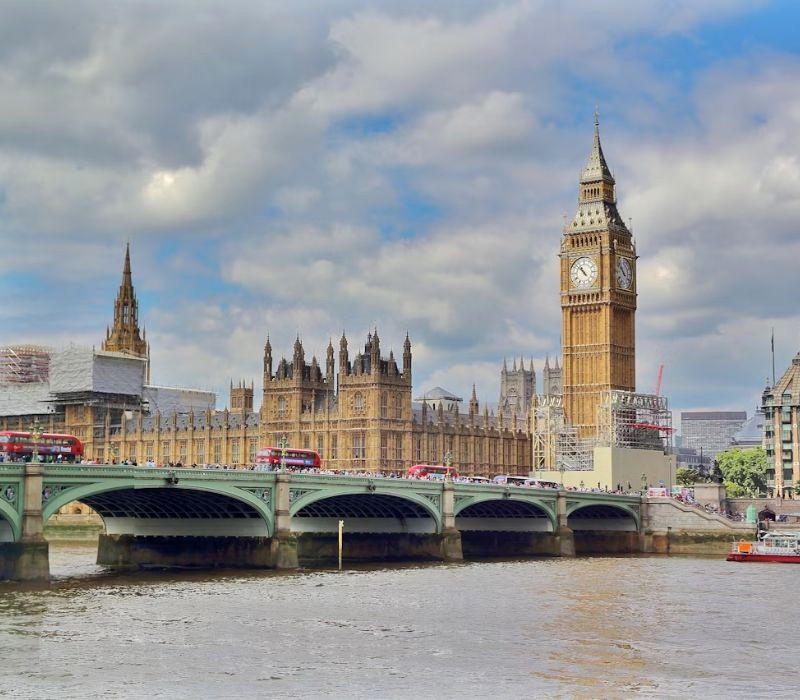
x,y
710,432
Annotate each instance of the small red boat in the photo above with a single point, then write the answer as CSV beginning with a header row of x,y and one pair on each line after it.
x,y
782,547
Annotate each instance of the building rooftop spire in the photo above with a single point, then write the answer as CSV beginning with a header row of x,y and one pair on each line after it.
x,y
124,335
597,198
126,268
596,167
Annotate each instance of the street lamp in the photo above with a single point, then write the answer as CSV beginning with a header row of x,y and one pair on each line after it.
x,y
283,443
36,435
581,484
644,483
561,469
448,462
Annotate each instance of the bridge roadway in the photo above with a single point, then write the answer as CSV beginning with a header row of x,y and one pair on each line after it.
x,y
213,518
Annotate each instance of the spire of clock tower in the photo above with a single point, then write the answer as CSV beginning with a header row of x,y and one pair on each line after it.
x,y
596,168
597,197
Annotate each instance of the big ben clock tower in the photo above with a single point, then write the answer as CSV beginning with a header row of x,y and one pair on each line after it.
x,y
598,297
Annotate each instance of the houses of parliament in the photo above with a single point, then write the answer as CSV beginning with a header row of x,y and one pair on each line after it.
x,y
355,407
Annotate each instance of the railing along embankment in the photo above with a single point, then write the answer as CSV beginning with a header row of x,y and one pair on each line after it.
x,y
667,513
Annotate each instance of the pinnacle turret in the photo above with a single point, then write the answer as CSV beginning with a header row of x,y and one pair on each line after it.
x,y
124,335
407,358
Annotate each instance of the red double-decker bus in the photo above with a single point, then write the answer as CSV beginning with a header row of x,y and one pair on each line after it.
x,y
431,471
271,457
17,445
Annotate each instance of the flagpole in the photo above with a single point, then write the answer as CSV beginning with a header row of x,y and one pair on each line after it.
x,y
773,357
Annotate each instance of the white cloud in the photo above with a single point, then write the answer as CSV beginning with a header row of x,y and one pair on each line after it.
x,y
297,172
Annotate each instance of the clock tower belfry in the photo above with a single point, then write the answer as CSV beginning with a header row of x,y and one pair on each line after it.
x,y
598,298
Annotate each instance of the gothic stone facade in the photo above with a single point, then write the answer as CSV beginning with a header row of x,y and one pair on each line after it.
x,y
360,417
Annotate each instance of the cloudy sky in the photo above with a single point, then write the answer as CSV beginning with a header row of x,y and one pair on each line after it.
x,y
311,167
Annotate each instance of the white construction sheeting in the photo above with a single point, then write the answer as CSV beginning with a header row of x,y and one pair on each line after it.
x,y
77,369
26,399
167,399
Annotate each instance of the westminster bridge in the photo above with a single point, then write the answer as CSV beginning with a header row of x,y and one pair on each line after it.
x,y
236,518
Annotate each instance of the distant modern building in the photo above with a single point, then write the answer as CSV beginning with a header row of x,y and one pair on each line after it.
x,y
710,432
781,403
751,434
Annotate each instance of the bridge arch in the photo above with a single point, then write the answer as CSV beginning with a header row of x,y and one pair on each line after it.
x,y
502,513
370,511
602,516
184,509
10,525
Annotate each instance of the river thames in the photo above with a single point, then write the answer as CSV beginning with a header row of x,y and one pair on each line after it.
x,y
590,627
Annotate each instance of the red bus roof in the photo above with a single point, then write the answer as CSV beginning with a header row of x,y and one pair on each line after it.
x,y
425,467
288,449
24,433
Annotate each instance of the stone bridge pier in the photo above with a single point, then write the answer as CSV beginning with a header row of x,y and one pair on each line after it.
x,y
28,559
284,541
564,541
451,537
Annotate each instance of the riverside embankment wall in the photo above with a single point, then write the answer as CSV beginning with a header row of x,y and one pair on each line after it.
x,y
676,528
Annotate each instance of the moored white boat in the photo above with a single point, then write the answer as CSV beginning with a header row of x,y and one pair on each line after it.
x,y
781,547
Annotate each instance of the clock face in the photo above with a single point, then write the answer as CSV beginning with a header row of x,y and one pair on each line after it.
x,y
624,273
583,273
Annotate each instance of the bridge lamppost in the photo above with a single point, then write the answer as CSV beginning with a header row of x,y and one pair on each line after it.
x,y
36,435
644,483
561,469
448,463
283,443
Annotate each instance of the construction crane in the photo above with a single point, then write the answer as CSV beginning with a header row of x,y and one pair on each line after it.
x,y
658,378
652,425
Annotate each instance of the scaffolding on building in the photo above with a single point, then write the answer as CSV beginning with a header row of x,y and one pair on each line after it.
x,y
24,364
625,419
556,445
635,421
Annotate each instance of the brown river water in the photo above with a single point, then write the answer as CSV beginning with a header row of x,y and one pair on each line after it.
x,y
590,627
